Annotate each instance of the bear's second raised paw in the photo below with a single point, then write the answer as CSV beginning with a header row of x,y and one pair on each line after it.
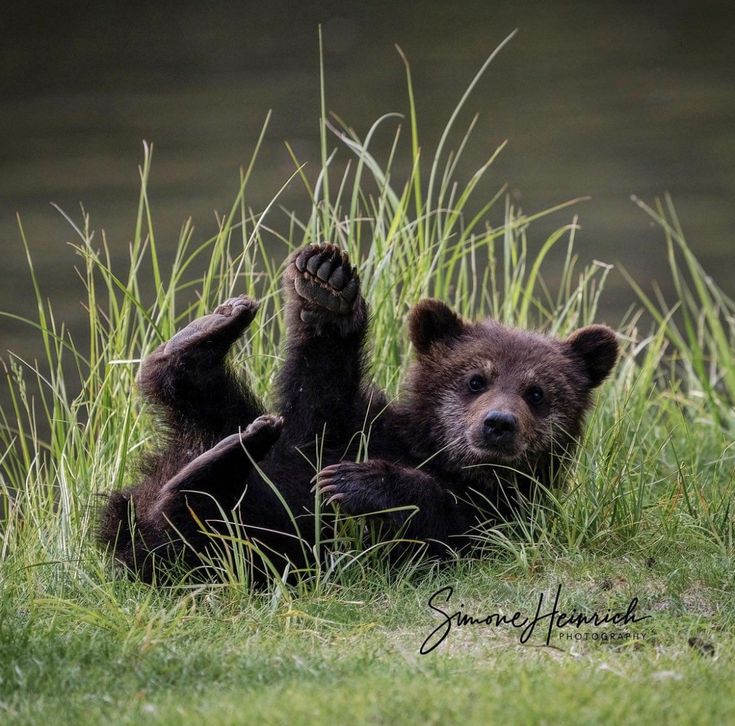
x,y
216,331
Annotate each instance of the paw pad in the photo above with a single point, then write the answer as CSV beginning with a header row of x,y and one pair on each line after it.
x,y
215,331
324,277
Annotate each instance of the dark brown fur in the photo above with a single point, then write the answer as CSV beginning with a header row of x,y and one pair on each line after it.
x,y
452,452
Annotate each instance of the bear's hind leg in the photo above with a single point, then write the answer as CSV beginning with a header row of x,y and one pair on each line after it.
x,y
189,378
320,383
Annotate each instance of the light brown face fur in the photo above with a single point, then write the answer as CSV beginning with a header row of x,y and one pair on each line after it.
x,y
489,394
498,373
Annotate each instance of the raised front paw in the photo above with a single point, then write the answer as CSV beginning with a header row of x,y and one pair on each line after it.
x,y
327,286
256,439
217,331
228,457
261,434
357,488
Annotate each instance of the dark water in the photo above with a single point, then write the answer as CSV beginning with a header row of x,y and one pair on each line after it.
x,y
599,99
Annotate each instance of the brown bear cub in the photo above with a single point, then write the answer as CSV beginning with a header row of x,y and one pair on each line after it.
x,y
486,414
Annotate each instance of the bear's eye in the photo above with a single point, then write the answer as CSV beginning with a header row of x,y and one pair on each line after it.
x,y
476,384
535,395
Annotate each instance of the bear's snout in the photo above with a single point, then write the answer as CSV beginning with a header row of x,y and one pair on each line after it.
x,y
500,428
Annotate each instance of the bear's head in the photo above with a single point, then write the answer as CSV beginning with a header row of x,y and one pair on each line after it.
x,y
483,393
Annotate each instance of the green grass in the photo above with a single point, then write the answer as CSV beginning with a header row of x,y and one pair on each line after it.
x,y
648,511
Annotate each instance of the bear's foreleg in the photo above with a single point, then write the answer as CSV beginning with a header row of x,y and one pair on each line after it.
x,y
412,500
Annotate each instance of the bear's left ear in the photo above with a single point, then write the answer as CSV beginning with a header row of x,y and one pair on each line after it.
x,y
597,347
431,321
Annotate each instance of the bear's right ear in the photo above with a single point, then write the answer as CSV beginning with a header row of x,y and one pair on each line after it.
x,y
431,321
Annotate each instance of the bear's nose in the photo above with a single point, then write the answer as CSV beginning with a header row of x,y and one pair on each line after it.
x,y
500,427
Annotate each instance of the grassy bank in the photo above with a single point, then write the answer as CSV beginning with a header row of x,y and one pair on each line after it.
x,y
647,514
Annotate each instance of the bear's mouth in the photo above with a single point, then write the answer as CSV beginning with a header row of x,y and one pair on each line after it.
x,y
496,453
